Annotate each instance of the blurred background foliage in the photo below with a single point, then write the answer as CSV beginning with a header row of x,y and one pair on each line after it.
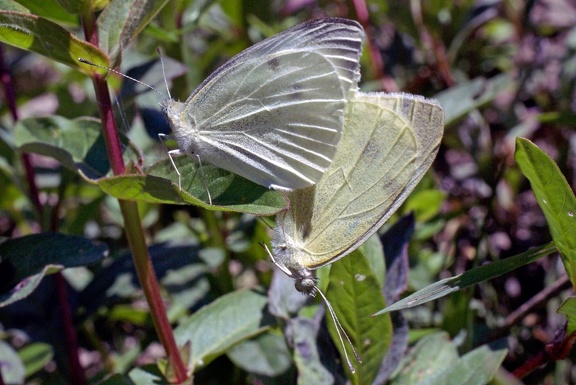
x,y
501,69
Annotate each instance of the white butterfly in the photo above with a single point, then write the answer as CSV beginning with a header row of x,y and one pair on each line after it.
x,y
388,143
274,113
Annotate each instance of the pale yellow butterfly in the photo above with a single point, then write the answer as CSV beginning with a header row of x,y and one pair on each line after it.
x,y
274,113
389,141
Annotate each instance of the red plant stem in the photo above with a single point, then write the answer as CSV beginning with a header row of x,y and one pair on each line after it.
x,y
554,351
8,86
10,94
133,223
113,146
77,372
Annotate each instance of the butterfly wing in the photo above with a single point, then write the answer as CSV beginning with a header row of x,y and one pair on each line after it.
x,y
274,113
388,143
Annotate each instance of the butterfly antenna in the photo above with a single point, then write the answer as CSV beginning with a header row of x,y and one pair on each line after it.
x,y
339,328
82,60
164,73
121,113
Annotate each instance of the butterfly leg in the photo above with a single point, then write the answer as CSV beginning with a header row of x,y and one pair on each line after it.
x,y
175,152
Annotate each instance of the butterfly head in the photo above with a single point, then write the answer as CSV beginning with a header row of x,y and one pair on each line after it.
x,y
304,278
304,281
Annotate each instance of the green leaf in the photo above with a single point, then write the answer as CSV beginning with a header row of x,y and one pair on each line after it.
x,y
49,9
559,118
568,308
71,6
355,293
127,313
118,379
426,204
223,323
474,368
434,361
464,98
41,36
34,256
121,21
555,198
145,375
430,355
266,355
77,144
472,277
312,364
27,285
10,5
229,192
35,356
12,369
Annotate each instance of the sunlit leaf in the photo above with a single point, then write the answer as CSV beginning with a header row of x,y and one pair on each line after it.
x,y
555,198
41,36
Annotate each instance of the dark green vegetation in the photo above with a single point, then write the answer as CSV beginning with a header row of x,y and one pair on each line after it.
x,y
485,244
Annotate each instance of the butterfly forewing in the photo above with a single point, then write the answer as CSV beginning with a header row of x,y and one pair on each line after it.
x,y
274,113
338,40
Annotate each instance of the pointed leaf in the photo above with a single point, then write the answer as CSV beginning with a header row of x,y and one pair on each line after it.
x,y
35,356
27,286
355,294
223,323
555,198
41,36
229,192
469,278
28,255
147,375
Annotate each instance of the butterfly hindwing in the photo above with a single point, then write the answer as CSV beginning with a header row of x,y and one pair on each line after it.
x,y
388,143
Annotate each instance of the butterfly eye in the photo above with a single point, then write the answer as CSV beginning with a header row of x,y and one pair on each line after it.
x,y
305,285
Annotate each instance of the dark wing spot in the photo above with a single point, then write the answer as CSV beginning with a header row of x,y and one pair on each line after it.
x,y
273,64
